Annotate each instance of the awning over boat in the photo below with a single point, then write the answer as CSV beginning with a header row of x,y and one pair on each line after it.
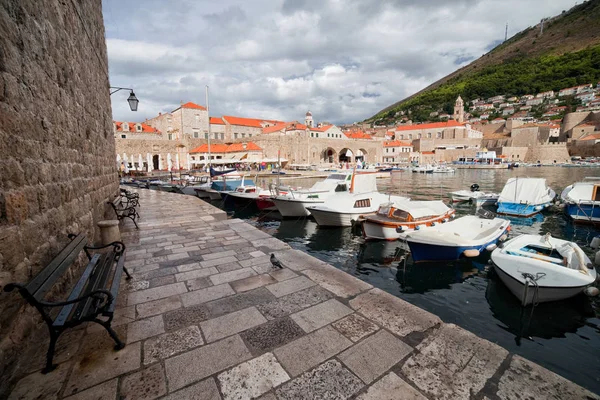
x,y
420,209
526,191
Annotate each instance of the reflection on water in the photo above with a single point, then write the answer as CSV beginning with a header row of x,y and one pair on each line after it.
x,y
562,336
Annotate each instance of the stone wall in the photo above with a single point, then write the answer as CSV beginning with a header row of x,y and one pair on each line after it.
x,y
57,153
584,148
548,154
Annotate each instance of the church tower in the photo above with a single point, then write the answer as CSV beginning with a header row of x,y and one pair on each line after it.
x,y
459,110
308,121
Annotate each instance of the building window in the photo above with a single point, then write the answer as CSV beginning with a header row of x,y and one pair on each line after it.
x,y
249,135
429,135
123,136
170,136
317,135
138,127
410,135
216,135
243,135
235,135
196,134
393,149
205,135
387,150
312,134
222,136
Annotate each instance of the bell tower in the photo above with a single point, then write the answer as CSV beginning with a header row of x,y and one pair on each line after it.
x,y
459,110
308,121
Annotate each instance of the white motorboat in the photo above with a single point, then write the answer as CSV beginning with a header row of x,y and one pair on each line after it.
x,y
467,236
524,197
481,198
423,169
465,195
582,200
539,268
342,209
443,169
395,220
293,204
201,184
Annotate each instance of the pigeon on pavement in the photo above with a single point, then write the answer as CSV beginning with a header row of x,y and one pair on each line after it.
x,y
276,263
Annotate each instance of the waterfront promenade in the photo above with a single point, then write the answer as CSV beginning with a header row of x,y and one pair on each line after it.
x,y
207,317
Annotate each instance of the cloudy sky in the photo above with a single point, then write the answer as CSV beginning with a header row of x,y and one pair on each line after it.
x,y
342,59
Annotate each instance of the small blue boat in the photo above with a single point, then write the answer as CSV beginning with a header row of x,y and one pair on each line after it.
x,y
524,197
468,236
582,200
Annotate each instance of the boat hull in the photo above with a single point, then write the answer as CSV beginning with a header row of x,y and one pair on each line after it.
x,y
480,166
430,252
544,293
265,204
521,210
584,213
291,208
330,218
381,231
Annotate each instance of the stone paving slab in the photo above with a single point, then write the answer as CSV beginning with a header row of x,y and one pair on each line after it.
x,y
453,363
205,295
329,380
322,314
148,383
397,315
290,286
103,391
205,390
527,380
391,387
271,335
204,361
230,324
160,292
252,378
308,351
164,346
375,355
355,327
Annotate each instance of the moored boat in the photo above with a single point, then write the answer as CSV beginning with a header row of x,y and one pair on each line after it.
x,y
395,220
582,200
293,203
343,209
464,195
539,268
423,169
524,197
467,236
480,199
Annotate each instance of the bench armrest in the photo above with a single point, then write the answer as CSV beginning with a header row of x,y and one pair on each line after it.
x,y
97,294
119,247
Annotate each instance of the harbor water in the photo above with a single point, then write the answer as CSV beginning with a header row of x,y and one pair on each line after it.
x,y
562,336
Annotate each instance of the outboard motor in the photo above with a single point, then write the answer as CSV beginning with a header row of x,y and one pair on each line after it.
x,y
474,187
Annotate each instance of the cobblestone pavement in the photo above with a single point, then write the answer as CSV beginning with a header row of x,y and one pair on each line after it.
x,y
206,317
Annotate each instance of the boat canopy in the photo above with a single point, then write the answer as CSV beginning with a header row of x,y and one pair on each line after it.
x,y
364,183
420,209
582,191
526,191
573,255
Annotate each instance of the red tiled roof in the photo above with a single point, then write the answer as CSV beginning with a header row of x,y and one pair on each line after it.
x,y
145,128
358,135
226,148
594,136
321,128
216,121
252,122
396,143
428,152
189,104
274,128
448,124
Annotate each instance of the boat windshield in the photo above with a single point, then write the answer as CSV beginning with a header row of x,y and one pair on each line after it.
x,y
401,215
341,188
384,210
337,177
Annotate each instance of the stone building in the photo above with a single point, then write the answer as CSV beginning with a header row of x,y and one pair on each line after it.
x,y
298,143
58,152
397,152
459,110
226,153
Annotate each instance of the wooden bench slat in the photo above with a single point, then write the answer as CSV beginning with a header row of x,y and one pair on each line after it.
x,y
43,282
114,289
76,292
93,284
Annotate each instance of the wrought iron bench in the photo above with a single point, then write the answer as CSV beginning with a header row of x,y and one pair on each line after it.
x,y
93,295
124,210
129,198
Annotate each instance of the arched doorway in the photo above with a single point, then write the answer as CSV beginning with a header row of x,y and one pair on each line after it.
x,y
361,155
155,161
328,155
346,155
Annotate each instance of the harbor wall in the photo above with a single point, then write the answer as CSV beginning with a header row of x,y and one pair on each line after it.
x,y
57,154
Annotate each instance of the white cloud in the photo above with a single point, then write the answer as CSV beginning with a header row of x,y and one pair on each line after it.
x,y
342,59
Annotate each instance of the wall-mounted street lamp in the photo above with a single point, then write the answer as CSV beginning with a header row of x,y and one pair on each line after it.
x,y
132,100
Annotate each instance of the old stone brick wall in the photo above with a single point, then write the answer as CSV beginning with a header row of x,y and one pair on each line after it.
x,y
548,154
57,153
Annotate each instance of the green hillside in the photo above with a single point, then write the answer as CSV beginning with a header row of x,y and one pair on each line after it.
x,y
566,54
